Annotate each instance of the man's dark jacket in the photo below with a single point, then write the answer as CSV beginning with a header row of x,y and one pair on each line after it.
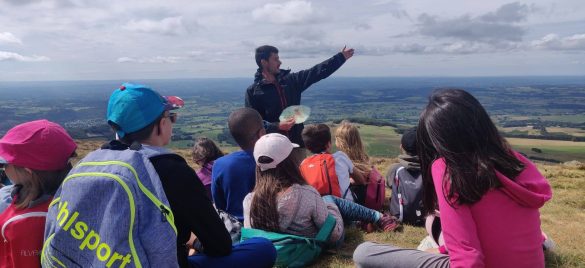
x,y
264,96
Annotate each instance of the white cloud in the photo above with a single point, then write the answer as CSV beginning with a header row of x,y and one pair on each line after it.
x,y
493,27
156,59
196,53
7,37
555,42
291,12
11,56
217,38
166,26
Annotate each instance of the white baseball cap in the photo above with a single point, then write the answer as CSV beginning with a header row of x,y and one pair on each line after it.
x,y
273,145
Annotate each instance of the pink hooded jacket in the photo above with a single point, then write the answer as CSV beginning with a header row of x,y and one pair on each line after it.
x,y
503,228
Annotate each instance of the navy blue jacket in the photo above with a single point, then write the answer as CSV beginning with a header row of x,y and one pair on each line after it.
x,y
233,176
264,96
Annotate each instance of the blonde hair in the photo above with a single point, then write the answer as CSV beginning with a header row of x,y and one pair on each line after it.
x,y
348,140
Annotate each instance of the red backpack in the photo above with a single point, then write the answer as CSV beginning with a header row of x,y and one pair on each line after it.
x,y
375,192
319,172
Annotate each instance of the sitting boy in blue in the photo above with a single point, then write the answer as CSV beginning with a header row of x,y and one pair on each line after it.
x,y
234,175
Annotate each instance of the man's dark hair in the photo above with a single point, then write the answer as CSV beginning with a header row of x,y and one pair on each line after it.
x,y
316,137
264,52
244,124
139,135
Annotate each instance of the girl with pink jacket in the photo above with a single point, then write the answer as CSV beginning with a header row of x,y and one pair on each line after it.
x,y
488,195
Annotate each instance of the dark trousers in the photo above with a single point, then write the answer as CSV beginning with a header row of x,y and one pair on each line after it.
x,y
254,252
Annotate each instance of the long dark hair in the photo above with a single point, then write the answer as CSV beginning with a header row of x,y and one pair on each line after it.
x,y
454,126
263,209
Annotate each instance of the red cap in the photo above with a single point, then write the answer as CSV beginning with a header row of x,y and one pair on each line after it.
x,y
38,145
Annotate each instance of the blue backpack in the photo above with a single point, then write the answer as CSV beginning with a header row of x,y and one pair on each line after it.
x,y
111,211
294,250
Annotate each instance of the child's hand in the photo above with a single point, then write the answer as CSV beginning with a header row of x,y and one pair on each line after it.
x,y
189,244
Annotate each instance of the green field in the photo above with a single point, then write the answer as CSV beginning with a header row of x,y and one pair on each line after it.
x,y
379,141
385,142
559,150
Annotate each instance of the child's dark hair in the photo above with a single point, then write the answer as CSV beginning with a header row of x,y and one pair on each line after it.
x,y
244,125
205,151
408,141
316,137
454,126
139,135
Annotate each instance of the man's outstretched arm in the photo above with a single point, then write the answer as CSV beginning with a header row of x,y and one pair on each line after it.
x,y
306,78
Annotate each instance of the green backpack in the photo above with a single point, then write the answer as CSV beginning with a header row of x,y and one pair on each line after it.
x,y
294,250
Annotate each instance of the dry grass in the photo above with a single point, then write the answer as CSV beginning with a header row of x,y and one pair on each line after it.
x,y
563,218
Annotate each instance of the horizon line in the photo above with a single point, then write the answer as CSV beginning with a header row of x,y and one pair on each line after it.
x,y
241,77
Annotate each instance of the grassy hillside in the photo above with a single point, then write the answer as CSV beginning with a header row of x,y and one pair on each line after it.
x,y
563,218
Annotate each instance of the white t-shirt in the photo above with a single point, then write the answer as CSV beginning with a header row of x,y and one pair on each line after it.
x,y
343,167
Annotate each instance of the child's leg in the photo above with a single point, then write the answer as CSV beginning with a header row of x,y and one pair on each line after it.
x,y
351,211
371,254
254,252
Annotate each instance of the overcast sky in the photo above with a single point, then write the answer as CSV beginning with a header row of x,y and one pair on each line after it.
x,y
113,39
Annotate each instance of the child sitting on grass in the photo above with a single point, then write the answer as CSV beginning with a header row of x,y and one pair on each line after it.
x,y
204,154
488,194
282,201
35,156
348,140
328,173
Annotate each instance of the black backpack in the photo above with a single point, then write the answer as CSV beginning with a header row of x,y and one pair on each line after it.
x,y
406,199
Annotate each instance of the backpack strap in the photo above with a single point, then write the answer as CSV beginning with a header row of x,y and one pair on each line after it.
x,y
400,200
326,229
324,166
345,193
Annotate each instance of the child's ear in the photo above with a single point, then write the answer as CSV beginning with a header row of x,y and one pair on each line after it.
x,y
29,172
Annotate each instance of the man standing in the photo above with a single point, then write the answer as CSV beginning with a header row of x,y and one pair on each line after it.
x,y
274,89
